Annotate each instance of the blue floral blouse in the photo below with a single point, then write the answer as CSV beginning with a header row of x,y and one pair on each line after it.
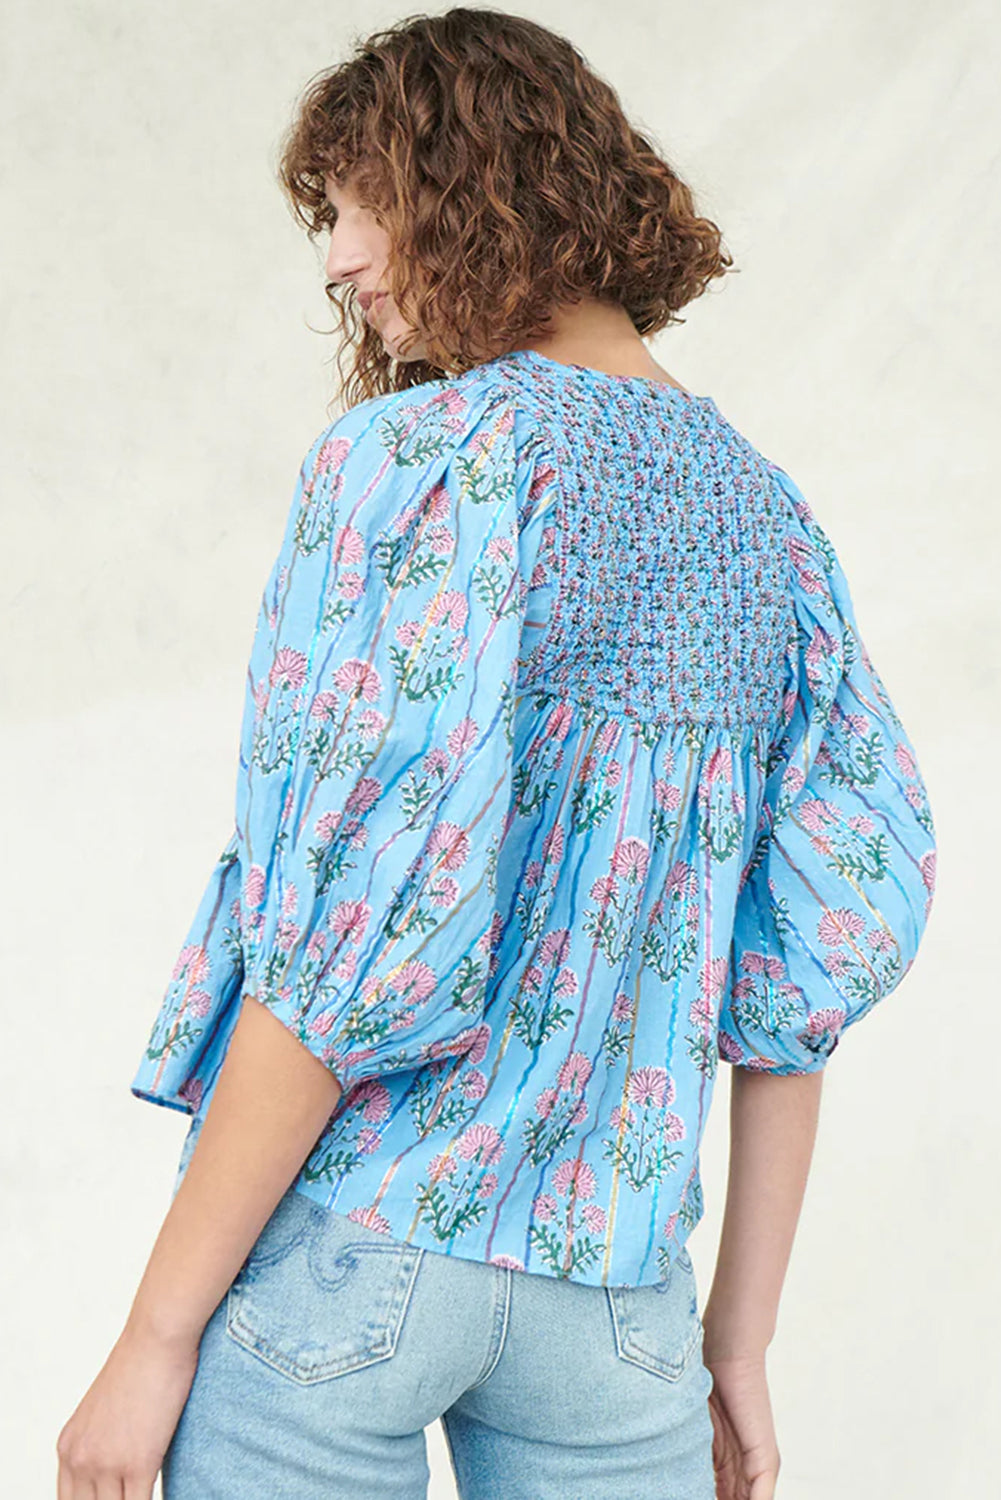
x,y
564,774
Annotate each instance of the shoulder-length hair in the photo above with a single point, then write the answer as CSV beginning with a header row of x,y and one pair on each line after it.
x,y
509,181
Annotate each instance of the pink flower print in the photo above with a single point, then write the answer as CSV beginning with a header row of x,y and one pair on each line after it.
x,y
403,1019
355,677
622,1007
474,1084
606,737
927,866
363,796
441,1166
728,1049
857,723
477,1049
445,892
260,692
531,979
555,945
552,844
829,1018
324,705
448,845
332,454
838,963
315,946
649,1085
350,586
488,1185
613,774
290,901
451,608
622,1115
499,549
408,633
348,546
544,1207
510,1261
712,977
840,924
595,1218
629,858
191,1090
192,963
752,963
604,889
905,760
492,935
483,1141
672,1127
368,1140
441,540
372,1097
580,1113
793,781
577,1175
670,1224
327,824
566,983
667,795
559,723
371,1219
199,1003
575,1071
681,880
438,504
701,1012
881,941
462,736
288,670
415,980
436,762
861,824
545,1102
816,815
321,1025
287,935
254,885
719,766
349,919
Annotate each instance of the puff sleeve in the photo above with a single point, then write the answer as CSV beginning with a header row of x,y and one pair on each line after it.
x,y
375,773
836,896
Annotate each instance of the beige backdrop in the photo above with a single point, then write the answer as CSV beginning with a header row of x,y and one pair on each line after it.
x,y
161,385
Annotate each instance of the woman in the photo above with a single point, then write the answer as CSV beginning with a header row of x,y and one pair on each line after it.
x,y
564,774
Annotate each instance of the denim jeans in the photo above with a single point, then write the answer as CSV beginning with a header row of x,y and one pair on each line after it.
x,y
336,1346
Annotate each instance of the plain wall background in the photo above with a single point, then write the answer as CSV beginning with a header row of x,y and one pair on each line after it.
x,y
160,386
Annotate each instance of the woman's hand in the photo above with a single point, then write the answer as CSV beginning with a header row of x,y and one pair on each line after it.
x,y
113,1445
745,1453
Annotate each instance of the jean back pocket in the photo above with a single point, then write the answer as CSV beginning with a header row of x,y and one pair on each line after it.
x,y
319,1295
658,1327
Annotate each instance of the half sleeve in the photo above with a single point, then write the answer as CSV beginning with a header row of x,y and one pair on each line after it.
x,y
836,896
375,777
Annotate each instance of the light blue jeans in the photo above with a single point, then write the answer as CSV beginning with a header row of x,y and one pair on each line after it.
x,y
336,1346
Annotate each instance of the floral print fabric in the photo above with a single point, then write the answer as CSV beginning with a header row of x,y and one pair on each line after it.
x,y
564,774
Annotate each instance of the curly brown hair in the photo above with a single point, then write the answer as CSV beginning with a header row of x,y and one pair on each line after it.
x,y
509,182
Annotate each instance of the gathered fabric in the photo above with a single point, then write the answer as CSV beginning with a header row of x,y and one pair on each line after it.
x,y
564,775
